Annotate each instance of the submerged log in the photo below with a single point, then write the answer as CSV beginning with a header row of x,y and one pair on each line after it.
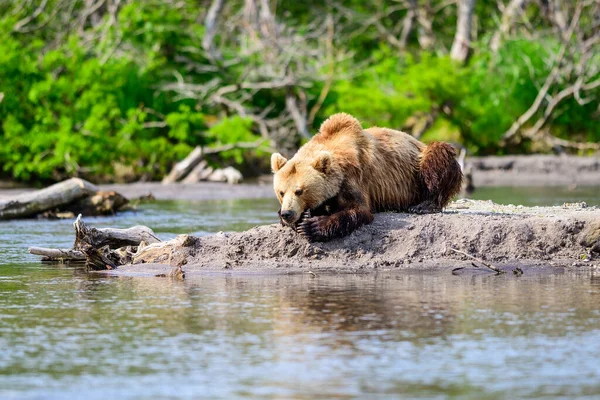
x,y
71,196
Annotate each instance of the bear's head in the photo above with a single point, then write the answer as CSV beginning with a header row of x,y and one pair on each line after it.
x,y
304,182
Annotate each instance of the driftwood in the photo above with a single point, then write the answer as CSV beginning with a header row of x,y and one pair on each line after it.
x,y
60,255
502,234
108,248
66,198
112,237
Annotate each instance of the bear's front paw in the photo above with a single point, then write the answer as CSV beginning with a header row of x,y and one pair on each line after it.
x,y
311,229
426,207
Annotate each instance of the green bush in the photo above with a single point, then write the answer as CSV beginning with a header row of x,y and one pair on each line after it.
x,y
90,104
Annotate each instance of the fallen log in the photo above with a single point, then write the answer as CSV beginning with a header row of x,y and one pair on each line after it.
x,y
194,168
32,203
182,168
200,172
63,199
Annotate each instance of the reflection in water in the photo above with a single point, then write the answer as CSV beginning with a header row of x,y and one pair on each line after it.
x,y
68,335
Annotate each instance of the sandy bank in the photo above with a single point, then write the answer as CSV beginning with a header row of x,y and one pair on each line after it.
x,y
500,234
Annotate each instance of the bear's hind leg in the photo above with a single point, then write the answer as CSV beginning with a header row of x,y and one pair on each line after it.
x,y
441,176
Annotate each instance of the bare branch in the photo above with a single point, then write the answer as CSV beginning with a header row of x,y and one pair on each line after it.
x,y
488,265
210,29
509,16
238,145
36,13
550,80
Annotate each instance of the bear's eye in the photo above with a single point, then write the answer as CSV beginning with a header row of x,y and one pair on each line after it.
x,y
281,194
299,192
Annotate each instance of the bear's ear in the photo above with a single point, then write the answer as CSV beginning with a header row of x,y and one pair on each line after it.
x,y
322,162
277,161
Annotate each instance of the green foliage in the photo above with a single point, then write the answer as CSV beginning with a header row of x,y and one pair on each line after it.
x,y
68,111
232,130
88,100
480,101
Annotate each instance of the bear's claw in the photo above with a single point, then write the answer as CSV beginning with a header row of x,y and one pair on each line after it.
x,y
309,228
426,207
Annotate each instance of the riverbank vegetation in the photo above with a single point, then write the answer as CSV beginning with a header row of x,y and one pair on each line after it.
x,y
122,89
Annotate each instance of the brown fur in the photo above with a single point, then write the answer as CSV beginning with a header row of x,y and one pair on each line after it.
x,y
345,173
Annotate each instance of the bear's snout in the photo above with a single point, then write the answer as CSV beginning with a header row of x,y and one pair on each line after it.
x,y
288,215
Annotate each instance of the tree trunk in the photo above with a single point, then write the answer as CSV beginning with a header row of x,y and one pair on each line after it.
x,y
461,47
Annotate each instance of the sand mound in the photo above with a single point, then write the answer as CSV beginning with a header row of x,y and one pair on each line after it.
x,y
492,232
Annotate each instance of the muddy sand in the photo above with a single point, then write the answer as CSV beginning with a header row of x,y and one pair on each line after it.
x,y
504,235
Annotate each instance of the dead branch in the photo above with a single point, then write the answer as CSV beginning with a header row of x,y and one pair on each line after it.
x,y
425,17
298,112
497,270
210,29
330,76
570,64
233,146
408,23
509,15
60,255
36,13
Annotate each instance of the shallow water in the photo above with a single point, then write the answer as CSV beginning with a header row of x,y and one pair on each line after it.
x,y
428,334
66,334
540,196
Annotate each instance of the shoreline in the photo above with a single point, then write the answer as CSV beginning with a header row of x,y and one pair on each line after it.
x,y
490,171
506,236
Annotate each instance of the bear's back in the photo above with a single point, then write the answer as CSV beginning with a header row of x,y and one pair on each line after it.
x,y
391,175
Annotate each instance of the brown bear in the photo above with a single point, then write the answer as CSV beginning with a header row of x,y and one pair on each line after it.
x,y
335,182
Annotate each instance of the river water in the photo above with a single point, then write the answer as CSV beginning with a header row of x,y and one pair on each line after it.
x,y
67,334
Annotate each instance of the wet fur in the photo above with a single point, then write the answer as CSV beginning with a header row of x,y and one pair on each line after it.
x,y
345,173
